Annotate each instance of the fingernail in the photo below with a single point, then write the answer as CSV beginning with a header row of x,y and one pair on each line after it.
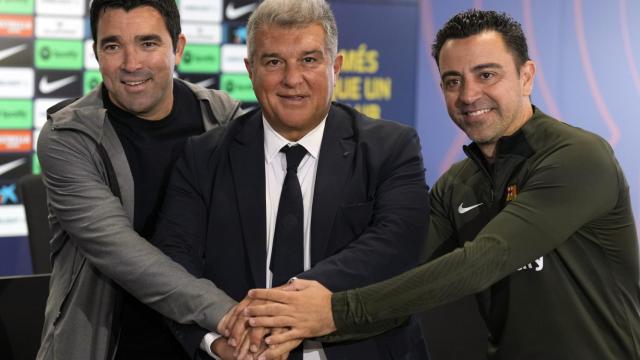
x,y
252,321
253,348
267,340
232,342
262,357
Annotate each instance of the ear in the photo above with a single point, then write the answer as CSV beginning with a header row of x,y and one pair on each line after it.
x,y
527,73
337,66
182,42
95,52
247,65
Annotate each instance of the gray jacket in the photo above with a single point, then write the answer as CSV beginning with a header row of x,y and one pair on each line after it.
x,y
94,248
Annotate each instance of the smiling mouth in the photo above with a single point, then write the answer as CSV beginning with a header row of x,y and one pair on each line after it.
x,y
476,112
135,83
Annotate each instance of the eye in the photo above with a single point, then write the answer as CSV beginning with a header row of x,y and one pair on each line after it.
x,y
148,44
452,83
273,62
110,47
486,75
309,60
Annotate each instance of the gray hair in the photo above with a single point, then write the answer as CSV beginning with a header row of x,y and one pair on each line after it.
x,y
293,14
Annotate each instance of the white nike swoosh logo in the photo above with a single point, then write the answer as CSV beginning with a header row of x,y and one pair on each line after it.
x,y
47,87
233,12
12,51
206,82
5,168
462,209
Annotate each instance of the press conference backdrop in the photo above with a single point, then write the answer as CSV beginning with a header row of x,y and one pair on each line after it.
x,y
46,56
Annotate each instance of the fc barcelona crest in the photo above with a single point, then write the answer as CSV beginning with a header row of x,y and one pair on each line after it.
x,y
512,192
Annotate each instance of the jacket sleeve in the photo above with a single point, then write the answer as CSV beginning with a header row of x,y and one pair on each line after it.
x,y
181,233
97,224
391,243
556,201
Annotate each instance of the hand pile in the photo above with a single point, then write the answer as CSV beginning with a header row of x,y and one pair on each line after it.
x,y
269,323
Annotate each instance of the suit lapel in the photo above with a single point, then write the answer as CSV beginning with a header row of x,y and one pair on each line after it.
x,y
247,165
335,159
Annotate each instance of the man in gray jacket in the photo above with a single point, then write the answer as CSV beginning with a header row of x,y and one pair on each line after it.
x,y
105,159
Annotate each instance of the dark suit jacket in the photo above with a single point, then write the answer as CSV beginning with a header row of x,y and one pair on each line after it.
x,y
369,216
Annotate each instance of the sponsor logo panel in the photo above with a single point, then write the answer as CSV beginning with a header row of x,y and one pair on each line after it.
x,y
40,107
239,10
13,220
208,81
15,140
16,83
16,6
90,61
59,27
14,166
235,33
16,25
36,164
58,54
16,52
200,59
232,58
16,114
58,84
238,86
92,79
60,7
8,193
202,33
198,10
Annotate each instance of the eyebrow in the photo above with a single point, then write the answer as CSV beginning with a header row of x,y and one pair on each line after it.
x,y
476,68
276,55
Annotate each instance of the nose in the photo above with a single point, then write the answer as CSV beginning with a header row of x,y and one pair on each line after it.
x,y
470,91
131,61
293,75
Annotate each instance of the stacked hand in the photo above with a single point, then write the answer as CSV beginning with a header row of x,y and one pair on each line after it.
x,y
269,323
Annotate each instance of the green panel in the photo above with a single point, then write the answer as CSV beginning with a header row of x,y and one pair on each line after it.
x,y
16,7
59,54
16,114
238,86
35,168
200,59
92,78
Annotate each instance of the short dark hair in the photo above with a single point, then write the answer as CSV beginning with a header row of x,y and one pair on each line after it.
x,y
473,22
167,8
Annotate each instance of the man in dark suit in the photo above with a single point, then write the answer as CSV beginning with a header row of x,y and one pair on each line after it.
x,y
353,209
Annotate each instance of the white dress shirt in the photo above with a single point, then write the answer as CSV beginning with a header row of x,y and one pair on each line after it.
x,y
275,169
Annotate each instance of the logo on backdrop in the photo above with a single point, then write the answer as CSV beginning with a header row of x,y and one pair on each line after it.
x,y
16,25
13,166
239,10
16,114
232,58
15,141
238,86
16,52
58,54
60,7
16,83
203,59
59,27
59,84
197,10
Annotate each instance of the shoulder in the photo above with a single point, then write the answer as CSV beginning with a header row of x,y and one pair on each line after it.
x,y
222,136
222,106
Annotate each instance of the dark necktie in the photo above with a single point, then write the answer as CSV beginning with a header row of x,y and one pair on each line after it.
x,y
287,257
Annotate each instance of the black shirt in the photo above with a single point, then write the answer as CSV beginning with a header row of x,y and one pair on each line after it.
x,y
152,148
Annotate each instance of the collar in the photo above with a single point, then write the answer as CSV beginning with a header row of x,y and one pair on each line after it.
x,y
273,141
